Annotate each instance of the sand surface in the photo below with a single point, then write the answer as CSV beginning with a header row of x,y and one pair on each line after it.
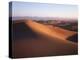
x,y
47,41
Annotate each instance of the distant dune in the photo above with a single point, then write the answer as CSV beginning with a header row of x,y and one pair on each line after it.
x,y
32,39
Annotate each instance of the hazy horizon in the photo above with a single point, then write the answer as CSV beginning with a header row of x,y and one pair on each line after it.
x,y
44,10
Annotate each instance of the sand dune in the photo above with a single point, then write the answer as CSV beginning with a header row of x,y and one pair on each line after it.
x,y
46,41
55,32
63,32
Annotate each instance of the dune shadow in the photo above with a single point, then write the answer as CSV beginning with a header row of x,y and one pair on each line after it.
x,y
73,38
21,31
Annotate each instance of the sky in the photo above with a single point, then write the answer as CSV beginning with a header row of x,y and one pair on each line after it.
x,y
21,9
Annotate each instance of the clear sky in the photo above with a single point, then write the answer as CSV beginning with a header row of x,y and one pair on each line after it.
x,y
44,10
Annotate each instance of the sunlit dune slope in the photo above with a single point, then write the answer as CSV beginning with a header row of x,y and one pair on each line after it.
x,y
55,32
63,32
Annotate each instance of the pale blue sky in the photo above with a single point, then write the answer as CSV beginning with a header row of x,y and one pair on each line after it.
x,y
44,10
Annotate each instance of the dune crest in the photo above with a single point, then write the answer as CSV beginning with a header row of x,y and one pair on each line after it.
x,y
55,32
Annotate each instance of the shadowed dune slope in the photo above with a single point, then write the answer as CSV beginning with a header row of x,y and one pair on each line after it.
x,y
21,30
73,38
